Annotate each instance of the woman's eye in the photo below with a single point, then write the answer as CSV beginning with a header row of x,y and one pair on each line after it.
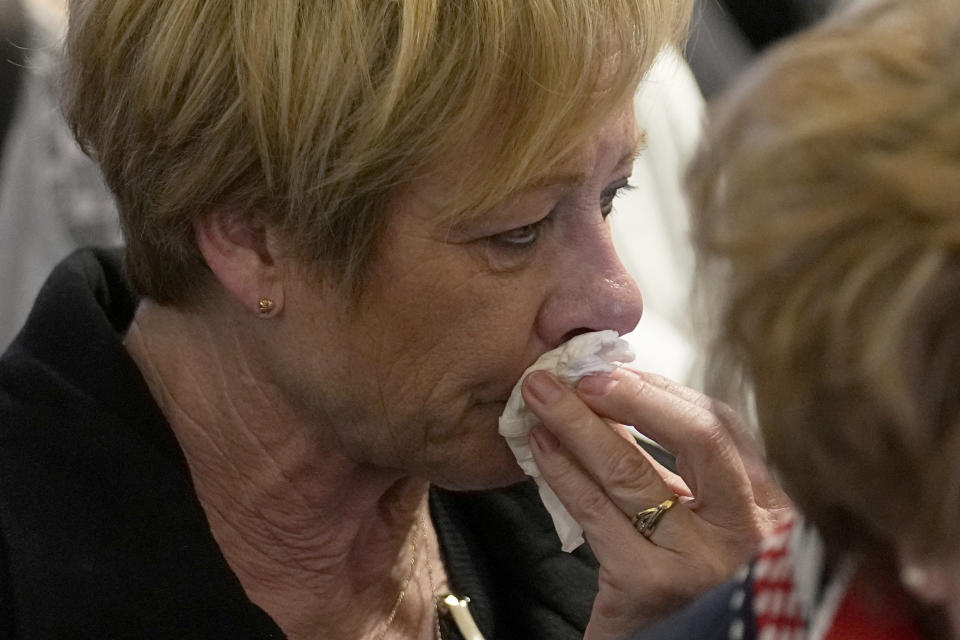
x,y
611,192
521,237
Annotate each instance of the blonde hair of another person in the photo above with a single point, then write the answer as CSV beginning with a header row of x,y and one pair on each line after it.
x,y
826,203
313,116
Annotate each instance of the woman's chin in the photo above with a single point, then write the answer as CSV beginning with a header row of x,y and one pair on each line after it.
x,y
493,468
485,480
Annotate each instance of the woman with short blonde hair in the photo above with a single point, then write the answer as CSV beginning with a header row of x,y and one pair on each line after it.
x,y
316,113
350,228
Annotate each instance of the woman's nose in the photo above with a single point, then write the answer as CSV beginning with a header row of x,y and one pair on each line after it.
x,y
594,292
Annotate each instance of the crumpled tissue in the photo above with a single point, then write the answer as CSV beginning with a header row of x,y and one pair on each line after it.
x,y
585,354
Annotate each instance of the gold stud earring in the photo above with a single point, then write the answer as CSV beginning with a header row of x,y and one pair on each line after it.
x,y
265,306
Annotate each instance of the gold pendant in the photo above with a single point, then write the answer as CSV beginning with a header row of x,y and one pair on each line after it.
x,y
457,609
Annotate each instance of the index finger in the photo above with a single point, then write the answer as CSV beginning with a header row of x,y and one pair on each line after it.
x,y
617,465
766,489
707,457
743,438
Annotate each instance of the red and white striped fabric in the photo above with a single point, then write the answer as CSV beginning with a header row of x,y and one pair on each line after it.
x,y
790,602
777,604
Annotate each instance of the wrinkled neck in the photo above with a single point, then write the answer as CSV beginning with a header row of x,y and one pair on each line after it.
x,y
314,537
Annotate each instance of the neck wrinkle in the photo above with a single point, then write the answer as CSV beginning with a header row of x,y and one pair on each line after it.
x,y
317,540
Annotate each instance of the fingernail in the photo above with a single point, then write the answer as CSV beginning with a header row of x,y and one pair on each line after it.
x,y
596,385
543,387
543,439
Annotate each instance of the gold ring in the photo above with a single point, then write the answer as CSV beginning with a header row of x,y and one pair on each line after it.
x,y
646,521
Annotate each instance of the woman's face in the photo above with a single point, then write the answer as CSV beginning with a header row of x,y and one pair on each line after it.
x,y
415,376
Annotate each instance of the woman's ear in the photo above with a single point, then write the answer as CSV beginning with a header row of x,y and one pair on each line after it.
x,y
243,254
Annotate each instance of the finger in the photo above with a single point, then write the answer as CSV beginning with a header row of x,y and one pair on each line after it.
x,y
672,480
605,524
618,466
767,491
744,439
707,458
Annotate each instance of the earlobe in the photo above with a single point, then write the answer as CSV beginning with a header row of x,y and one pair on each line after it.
x,y
243,255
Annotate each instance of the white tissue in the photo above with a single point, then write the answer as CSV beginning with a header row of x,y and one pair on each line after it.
x,y
585,354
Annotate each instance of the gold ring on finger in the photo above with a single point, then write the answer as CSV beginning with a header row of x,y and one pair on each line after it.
x,y
646,520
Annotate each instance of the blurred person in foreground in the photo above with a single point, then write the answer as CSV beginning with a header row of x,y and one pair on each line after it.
x,y
350,227
826,206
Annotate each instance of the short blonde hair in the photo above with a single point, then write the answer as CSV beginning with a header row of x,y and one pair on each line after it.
x,y
827,199
313,114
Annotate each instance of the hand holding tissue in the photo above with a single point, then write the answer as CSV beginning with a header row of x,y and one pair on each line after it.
x,y
585,354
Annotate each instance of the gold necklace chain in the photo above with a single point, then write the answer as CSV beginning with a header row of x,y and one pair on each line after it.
x,y
434,598
421,532
453,605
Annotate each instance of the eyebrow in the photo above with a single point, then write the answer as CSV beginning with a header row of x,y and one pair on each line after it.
x,y
639,146
573,179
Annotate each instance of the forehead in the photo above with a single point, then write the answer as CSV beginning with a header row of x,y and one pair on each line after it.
x,y
613,146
